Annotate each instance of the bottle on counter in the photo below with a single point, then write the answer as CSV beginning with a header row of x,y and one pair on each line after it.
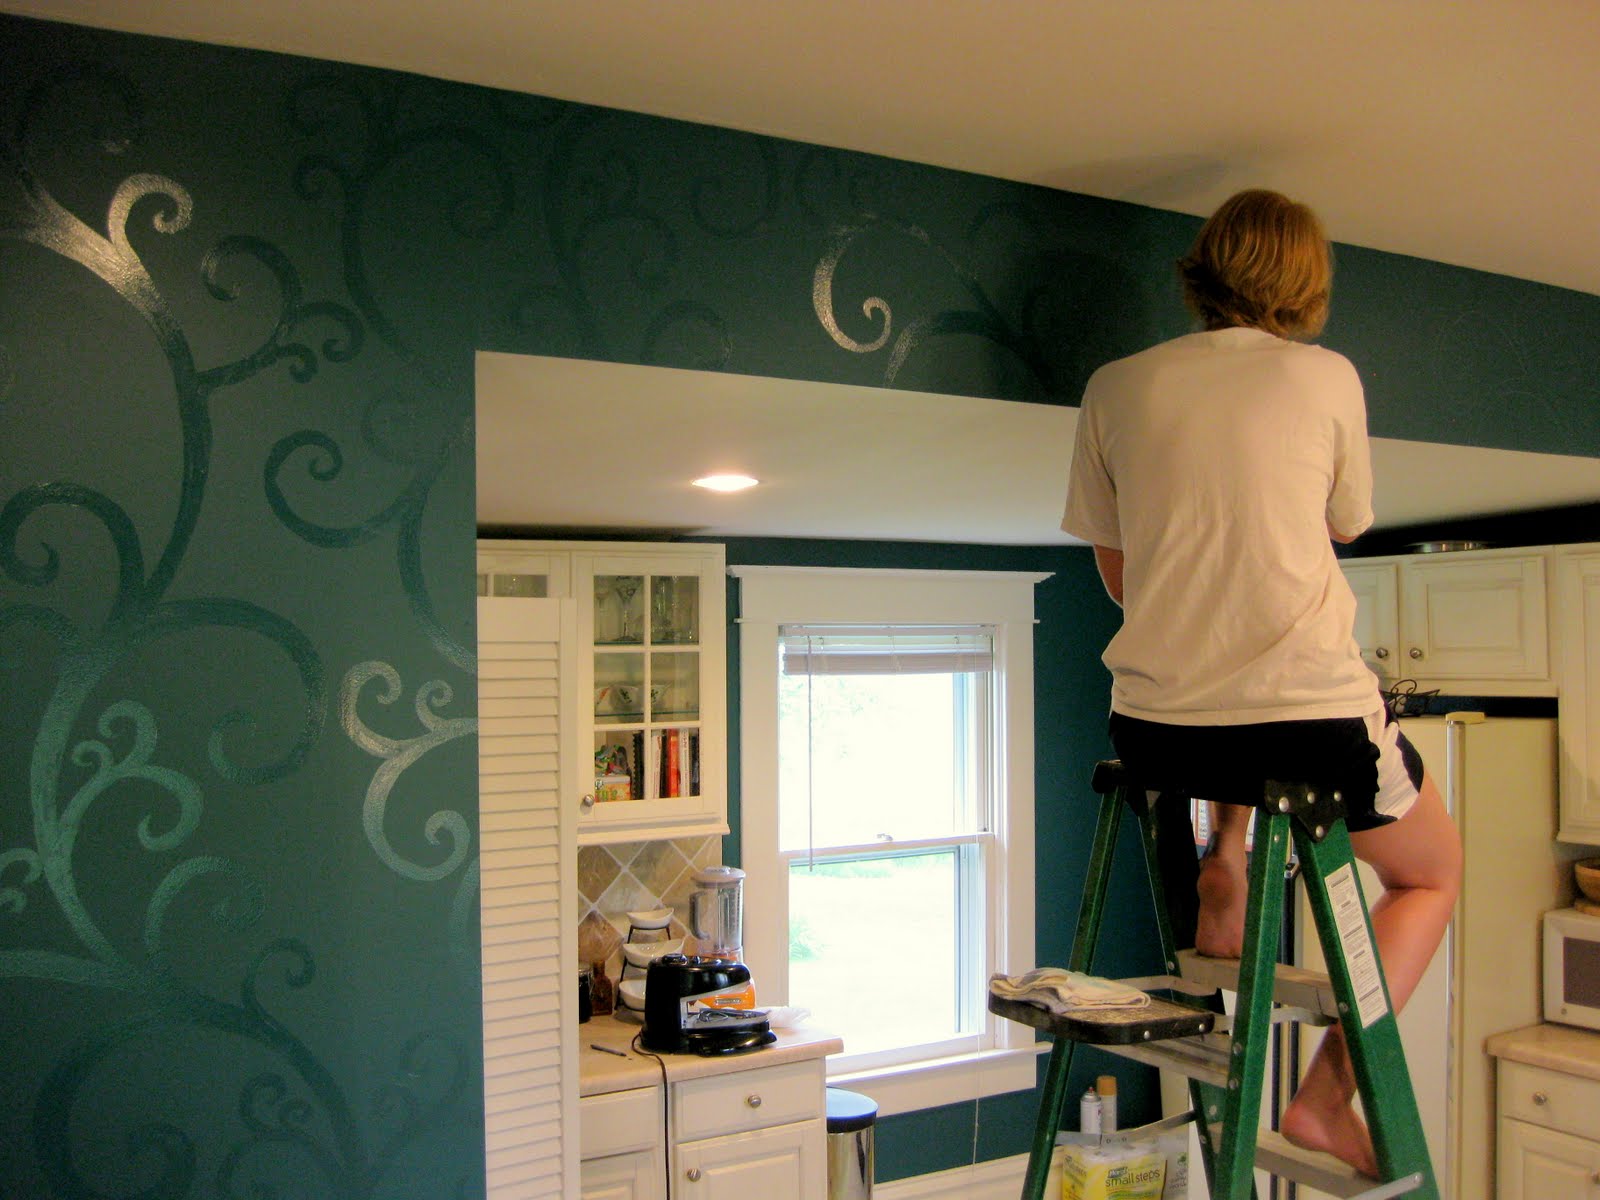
x,y
1106,1085
1089,1112
585,993
602,991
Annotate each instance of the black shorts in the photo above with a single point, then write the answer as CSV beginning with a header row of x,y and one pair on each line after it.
x,y
1367,759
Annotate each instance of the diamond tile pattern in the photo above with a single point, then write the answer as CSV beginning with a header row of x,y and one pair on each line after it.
x,y
615,880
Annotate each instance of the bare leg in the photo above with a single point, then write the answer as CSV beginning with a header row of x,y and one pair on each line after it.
x,y
1418,862
1222,887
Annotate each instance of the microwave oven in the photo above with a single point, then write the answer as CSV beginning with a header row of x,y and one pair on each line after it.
x,y
1572,968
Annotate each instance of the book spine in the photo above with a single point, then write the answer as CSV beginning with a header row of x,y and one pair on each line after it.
x,y
672,763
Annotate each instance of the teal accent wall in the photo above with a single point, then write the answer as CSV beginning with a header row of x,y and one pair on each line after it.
x,y
239,299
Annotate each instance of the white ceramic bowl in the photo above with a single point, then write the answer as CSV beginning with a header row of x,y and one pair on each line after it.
x,y
640,954
655,918
631,993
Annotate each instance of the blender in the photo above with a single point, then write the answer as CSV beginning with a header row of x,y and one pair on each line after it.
x,y
716,922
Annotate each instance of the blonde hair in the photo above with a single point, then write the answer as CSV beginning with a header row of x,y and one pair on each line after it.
x,y
1261,260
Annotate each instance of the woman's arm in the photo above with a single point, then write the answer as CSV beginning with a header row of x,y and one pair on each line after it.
x,y
1110,563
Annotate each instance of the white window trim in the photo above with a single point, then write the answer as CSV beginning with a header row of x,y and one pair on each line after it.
x,y
775,596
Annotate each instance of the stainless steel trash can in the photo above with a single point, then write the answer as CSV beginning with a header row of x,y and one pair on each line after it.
x,y
851,1117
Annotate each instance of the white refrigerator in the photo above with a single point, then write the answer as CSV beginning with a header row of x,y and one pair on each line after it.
x,y
1498,778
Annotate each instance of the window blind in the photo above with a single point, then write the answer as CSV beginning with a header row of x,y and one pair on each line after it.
x,y
886,649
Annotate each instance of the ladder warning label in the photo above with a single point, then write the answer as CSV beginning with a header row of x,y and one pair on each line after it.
x,y
1349,917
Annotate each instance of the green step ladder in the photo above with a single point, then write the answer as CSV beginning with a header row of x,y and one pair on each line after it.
x,y
1225,1061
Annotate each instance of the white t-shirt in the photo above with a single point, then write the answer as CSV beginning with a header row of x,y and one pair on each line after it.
x,y
1217,462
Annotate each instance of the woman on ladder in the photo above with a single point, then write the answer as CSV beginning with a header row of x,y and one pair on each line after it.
x,y
1209,475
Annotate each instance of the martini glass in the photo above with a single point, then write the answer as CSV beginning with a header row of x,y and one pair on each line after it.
x,y
625,589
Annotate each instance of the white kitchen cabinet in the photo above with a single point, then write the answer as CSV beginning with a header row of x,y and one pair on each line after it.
x,y
751,1133
743,1131
1470,622
632,1176
620,1144
1578,628
1540,1164
783,1162
651,677
1377,590
1549,1135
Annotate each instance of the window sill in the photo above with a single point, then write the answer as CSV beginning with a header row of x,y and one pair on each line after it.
x,y
907,1087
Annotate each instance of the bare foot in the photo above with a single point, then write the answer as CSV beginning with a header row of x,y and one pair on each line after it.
x,y
1338,1132
1223,890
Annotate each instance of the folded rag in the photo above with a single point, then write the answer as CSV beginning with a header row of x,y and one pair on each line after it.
x,y
1061,991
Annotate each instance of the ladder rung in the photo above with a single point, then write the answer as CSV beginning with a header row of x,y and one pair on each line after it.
x,y
1204,1059
1292,986
1277,1155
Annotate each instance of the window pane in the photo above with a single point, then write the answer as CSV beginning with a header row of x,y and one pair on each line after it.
x,y
875,948
865,758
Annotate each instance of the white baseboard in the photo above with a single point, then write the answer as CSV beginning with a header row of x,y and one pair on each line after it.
x,y
997,1179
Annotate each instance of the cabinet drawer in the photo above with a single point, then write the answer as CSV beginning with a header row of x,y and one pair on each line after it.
x,y
618,1122
1550,1098
744,1100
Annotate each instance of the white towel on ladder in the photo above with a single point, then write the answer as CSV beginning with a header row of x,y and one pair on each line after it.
x,y
1060,990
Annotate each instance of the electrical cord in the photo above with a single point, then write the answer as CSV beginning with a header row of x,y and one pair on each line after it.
x,y
1405,699
666,1132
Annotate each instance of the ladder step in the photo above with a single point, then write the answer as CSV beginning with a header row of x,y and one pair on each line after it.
x,y
1293,986
1277,1155
1204,1059
1155,1022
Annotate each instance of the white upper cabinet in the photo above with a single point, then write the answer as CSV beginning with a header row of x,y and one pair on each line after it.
x,y
1377,613
1473,622
650,677
1475,616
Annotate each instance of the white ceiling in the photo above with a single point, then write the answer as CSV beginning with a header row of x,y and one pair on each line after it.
x,y
578,445
1466,131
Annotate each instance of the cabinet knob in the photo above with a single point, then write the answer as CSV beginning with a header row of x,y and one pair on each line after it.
x,y
693,1174
1416,652
1381,652
753,1100
585,803
1541,1099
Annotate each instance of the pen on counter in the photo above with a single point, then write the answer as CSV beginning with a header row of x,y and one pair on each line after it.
x,y
607,1050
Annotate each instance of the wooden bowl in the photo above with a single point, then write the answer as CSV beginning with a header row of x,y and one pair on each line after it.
x,y
1587,873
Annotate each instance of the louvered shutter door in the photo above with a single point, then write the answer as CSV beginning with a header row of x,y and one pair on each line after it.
x,y
528,858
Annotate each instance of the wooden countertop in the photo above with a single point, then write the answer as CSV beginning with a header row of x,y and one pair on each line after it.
x,y
599,1072
1555,1047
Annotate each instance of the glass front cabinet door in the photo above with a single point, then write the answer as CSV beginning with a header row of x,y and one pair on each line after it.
x,y
650,682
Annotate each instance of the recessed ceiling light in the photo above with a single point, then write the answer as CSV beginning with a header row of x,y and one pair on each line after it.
x,y
726,483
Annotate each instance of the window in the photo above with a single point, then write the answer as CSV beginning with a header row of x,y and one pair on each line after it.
x,y
887,816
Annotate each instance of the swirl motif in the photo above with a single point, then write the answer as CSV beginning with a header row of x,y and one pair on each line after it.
x,y
405,513
442,827
328,105
301,1135
593,216
982,318
71,778
294,312
371,122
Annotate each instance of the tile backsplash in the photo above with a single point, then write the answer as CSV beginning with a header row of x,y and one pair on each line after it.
x,y
630,877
